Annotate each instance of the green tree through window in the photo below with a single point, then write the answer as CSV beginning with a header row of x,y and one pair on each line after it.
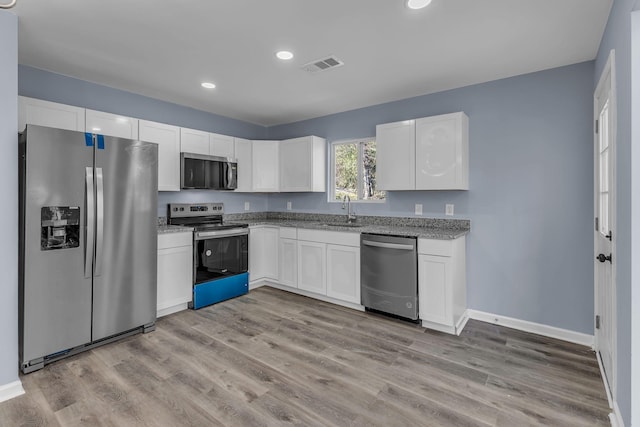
x,y
355,170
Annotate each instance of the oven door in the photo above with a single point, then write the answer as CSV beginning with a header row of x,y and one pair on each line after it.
x,y
220,253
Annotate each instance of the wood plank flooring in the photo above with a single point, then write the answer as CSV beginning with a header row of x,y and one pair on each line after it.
x,y
272,358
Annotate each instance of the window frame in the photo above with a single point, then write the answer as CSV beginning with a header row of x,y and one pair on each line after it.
x,y
331,196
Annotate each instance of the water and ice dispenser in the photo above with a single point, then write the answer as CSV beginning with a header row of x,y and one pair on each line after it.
x,y
60,227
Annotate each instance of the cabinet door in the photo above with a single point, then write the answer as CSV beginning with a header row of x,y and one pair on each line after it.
x,y
395,156
194,141
175,270
434,285
312,267
343,273
111,124
221,145
168,139
265,170
270,251
441,152
44,113
296,167
244,157
256,255
288,262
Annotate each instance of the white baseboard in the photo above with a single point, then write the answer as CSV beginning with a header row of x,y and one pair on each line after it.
x,y
616,417
11,390
535,328
172,309
314,296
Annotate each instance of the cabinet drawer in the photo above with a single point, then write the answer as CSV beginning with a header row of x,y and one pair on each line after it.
x,y
288,233
333,237
175,240
435,247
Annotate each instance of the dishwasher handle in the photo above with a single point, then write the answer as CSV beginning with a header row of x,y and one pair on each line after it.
x,y
389,245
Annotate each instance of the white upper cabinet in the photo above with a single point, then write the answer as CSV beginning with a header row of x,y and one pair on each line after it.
x,y
395,155
51,114
265,166
221,145
243,151
431,153
209,144
194,141
111,124
442,158
303,164
168,139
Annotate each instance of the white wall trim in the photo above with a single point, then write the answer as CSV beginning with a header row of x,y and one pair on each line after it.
x,y
615,417
11,390
535,328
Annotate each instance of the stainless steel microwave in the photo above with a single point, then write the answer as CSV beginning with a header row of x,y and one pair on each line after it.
x,y
198,171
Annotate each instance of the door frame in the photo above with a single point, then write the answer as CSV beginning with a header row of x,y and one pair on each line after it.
x,y
609,69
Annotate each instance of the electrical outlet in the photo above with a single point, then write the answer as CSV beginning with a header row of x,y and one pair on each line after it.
x,y
247,206
448,209
288,206
418,209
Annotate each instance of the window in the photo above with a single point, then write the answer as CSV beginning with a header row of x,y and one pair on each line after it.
x,y
353,167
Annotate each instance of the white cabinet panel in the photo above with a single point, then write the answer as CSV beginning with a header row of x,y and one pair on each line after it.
x,y
51,114
194,141
243,152
442,284
303,164
111,124
434,274
168,139
288,262
221,145
263,253
343,273
441,152
312,267
395,155
265,166
175,270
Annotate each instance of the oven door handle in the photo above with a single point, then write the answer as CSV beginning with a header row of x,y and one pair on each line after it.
x,y
203,235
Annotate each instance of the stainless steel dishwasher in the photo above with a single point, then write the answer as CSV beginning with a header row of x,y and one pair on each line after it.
x,y
389,274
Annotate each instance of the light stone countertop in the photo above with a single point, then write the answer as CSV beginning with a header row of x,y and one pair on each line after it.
x,y
164,229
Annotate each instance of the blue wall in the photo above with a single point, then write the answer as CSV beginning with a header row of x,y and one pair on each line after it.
x,y
9,191
618,36
49,86
530,200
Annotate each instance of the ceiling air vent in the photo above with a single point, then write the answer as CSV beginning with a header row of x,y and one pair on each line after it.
x,y
322,64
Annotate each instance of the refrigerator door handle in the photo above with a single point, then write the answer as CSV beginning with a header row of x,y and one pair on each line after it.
x,y
90,215
99,220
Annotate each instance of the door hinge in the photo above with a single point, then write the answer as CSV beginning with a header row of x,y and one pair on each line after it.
x,y
596,224
598,321
597,127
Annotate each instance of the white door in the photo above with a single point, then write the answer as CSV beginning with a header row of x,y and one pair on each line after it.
x,y
288,262
168,139
111,124
605,233
312,267
396,151
343,273
243,151
51,114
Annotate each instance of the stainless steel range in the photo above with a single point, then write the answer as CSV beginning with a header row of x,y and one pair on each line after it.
x,y
220,252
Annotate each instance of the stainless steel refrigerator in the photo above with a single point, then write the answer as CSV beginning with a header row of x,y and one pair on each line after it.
x,y
88,241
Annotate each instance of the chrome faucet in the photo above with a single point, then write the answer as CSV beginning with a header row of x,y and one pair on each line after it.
x,y
351,216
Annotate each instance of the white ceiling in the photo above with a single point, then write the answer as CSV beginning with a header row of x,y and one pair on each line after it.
x,y
164,49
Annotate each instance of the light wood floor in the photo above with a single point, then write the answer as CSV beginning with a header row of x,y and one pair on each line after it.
x,y
274,358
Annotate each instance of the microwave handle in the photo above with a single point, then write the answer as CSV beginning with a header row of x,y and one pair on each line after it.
x,y
229,175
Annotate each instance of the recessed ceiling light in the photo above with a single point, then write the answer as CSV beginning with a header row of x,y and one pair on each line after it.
x,y
417,4
208,85
285,55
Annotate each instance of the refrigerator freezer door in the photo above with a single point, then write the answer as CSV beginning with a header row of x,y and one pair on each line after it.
x,y
126,251
56,296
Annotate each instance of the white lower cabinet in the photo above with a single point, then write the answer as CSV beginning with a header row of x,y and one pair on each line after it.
x,y
343,273
175,272
288,253
312,267
263,253
442,284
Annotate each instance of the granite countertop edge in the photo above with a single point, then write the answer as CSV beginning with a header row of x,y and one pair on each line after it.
x,y
406,231
166,229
